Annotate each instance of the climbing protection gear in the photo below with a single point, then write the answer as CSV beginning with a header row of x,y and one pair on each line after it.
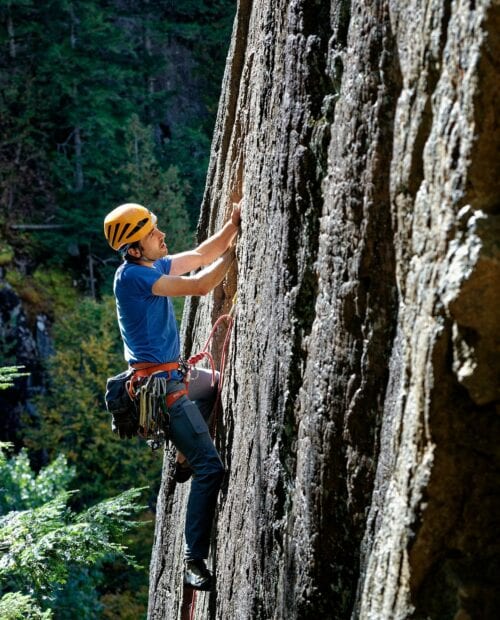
x,y
138,402
154,399
123,409
153,412
126,224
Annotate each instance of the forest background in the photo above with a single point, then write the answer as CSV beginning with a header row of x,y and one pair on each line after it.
x,y
101,102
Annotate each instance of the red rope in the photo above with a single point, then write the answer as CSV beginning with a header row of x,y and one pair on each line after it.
x,y
193,605
194,359
188,603
204,353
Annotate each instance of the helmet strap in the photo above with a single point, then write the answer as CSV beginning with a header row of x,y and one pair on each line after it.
x,y
142,256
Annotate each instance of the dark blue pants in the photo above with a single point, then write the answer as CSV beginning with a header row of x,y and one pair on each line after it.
x,y
189,434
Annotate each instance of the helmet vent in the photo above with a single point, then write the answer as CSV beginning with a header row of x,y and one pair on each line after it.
x,y
138,227
122,234
115,230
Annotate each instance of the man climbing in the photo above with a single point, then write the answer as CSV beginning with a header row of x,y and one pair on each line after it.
x,y
143,285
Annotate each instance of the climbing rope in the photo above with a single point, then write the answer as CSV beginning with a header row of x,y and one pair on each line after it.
x,y
188,606
193,606
205,354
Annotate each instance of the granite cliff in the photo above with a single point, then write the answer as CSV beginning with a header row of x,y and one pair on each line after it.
x,y
359,420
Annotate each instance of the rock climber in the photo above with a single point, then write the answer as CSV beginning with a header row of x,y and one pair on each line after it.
x,y
143,285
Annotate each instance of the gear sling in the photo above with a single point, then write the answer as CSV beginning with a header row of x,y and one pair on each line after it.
x,y
138,401
154,401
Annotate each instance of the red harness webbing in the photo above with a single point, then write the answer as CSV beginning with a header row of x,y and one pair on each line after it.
x,y
146,369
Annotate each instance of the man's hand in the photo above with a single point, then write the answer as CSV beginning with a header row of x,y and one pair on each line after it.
x,y
236,215
207,252
236,197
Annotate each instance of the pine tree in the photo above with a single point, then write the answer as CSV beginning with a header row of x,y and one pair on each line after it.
x,y
147,182
48,550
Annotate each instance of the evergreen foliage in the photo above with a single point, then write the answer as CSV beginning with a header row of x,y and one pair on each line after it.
x,y
204,29
47,548
21,489
160,188
81,85
8,374
86,109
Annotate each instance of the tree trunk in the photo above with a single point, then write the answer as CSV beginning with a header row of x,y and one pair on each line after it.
x,y
358,424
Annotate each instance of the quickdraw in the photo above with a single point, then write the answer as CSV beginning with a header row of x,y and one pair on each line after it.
x,y
151,391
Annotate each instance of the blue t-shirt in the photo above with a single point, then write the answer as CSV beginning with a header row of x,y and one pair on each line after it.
x,y
147,322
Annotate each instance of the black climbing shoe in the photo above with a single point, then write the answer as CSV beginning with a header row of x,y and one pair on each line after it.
x,y
182,472
197,575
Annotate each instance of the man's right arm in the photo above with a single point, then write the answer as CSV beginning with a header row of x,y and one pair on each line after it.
x,y
199,284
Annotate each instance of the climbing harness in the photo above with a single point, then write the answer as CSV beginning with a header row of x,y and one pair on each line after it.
x,y
139,395
151,391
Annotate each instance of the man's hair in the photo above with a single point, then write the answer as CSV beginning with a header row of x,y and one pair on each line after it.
x,y
125,252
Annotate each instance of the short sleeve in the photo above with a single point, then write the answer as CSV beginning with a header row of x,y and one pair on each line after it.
x,y
164,265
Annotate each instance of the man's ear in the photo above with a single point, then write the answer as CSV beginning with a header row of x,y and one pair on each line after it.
x,y
134,252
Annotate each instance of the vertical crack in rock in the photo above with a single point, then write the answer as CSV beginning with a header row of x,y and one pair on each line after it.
x,y
355,315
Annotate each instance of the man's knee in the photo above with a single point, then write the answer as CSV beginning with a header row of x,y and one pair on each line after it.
x,y
212,472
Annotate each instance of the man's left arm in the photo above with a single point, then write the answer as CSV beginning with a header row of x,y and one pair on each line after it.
x,y
209,250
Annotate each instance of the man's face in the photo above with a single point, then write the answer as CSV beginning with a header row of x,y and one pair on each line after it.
x,y
153,245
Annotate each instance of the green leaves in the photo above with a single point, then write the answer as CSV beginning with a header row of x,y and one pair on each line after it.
x,y
21,488
17,606
47,544
39,545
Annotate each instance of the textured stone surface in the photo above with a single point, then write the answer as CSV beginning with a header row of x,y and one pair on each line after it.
x,y
360,414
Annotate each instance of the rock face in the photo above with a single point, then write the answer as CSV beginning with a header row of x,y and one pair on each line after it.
x,y
359,421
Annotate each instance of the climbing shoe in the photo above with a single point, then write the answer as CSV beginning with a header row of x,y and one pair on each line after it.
x,y
182,472
197,575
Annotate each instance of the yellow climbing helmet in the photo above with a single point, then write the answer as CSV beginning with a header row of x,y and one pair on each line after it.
x,y
128,223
